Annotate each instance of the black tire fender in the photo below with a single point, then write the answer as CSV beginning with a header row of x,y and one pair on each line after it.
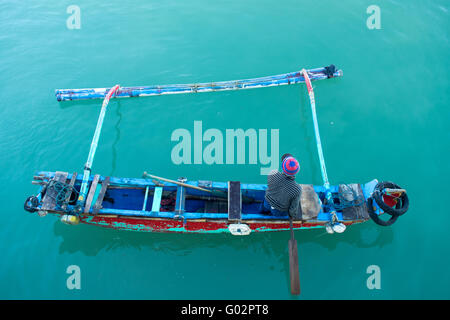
x,y
402,205
34,203
376,218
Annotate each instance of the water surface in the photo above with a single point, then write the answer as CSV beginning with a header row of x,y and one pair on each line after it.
x,y
386,118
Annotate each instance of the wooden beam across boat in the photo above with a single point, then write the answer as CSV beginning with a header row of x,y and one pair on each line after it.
x,y
91,193
234,201
101,196
71,184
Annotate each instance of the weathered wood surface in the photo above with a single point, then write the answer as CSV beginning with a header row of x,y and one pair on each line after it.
x,y
293,267
73,179
358,212
49,201
309,202
71,184
91,193
101,195
234,200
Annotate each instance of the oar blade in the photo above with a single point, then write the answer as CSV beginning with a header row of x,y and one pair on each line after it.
x,y
293,267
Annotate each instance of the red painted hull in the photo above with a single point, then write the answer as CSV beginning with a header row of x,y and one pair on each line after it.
x,y
192,226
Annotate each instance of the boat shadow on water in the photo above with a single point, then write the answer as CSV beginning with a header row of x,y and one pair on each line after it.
x,y
259,247
90,240
77,103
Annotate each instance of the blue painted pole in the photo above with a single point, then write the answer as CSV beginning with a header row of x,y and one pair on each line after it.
x,y
323,168
94,143
156,90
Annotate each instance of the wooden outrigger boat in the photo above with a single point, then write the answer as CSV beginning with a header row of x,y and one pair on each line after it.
x,y
155,204
163,205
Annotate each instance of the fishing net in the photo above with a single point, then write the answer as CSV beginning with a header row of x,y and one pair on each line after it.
x,y
61,193
348,197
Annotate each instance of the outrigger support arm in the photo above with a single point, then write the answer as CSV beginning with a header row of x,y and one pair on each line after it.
x,y
94,143
334,224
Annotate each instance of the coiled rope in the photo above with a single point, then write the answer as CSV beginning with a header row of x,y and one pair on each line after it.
x,y
62,193
348,198
344,196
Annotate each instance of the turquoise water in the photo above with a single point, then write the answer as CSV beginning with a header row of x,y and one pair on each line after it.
x,y
386,118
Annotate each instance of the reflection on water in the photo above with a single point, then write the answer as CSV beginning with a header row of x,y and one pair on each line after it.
x,y
97,102
92,239
76,103
269,246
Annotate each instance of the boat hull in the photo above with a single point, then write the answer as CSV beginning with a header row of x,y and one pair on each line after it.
x,y
126,204
195,226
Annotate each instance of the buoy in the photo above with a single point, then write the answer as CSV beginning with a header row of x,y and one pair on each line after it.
x,y
70,219
239,229
338,227
42,213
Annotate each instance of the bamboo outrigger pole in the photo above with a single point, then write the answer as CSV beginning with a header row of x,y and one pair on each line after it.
x,y
94,143
157,90
334,225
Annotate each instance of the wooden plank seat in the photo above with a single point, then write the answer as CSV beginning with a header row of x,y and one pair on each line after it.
x,y
90,196
101,196
234,201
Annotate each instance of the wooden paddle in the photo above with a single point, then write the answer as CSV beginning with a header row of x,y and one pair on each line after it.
x,y
293,263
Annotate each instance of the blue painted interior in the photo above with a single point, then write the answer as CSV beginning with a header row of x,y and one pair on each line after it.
x,y
126,196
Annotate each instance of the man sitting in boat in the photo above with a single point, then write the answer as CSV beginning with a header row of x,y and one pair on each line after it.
x,y
283,193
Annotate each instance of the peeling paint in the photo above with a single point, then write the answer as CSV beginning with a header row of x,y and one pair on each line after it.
x,y
191,226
